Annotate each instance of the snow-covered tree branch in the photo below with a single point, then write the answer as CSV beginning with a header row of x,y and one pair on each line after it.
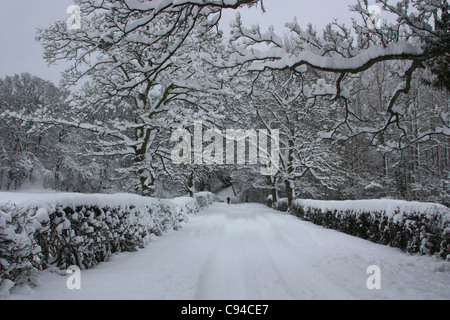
x,y
419,37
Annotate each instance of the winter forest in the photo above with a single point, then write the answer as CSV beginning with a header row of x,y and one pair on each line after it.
x,y
362,111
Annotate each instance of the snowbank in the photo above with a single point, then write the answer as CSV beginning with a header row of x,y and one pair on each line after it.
x,y
414,227
40,230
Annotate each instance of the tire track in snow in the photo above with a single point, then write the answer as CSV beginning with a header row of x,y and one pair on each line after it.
x,y
256,261
225,275
290,249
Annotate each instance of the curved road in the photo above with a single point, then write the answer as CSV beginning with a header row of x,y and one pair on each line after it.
x,y
251,252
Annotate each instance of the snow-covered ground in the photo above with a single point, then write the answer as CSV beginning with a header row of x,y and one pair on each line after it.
x,y
249,251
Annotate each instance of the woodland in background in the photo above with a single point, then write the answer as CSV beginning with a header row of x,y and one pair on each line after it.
x,y
376,128
60,158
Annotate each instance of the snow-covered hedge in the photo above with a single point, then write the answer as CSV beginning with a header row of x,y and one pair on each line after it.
x,y
74,229
413,227
281,205
269,201
19,251
204,199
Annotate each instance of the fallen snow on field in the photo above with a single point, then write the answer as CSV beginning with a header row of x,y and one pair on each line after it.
x,y
249,251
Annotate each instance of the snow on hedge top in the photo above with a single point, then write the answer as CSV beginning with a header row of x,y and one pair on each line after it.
x,y
389,207
74,199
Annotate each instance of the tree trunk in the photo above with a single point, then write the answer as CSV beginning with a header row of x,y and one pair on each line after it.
x,y
290,191
289,183
147,188
271,181
146,179
191,184
234,190
58,163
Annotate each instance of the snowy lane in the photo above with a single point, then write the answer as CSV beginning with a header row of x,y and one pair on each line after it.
x,y
251,252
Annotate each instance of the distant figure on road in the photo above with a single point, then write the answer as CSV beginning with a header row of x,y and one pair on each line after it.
x,y
228,200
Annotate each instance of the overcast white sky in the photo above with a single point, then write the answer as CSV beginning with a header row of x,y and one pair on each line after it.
x,y
19,52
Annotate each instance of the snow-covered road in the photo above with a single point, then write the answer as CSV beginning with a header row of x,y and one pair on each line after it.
x,y
249,251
